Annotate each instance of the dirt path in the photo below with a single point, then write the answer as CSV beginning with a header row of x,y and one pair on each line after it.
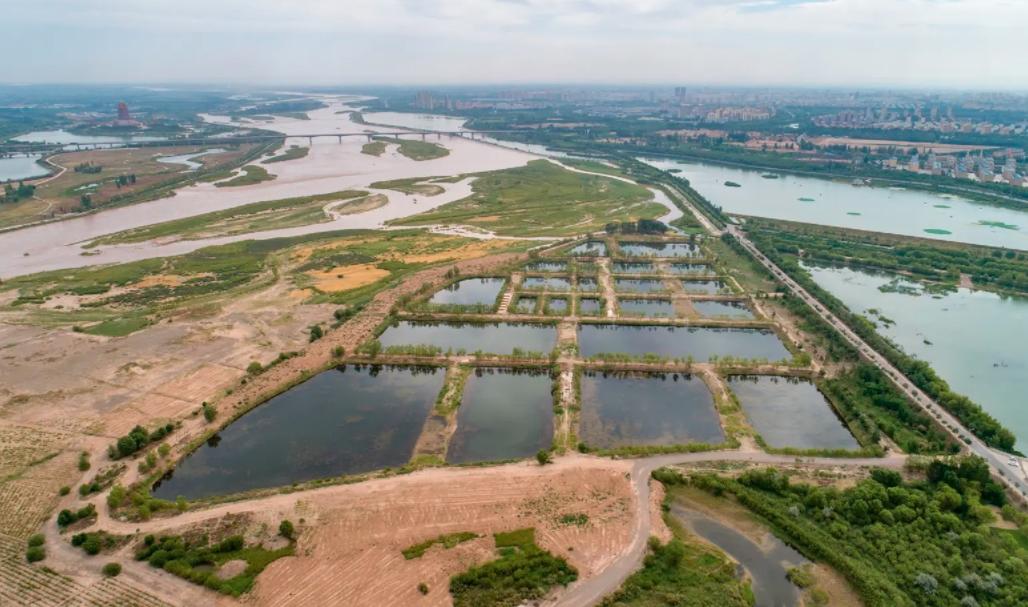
x,y
607,286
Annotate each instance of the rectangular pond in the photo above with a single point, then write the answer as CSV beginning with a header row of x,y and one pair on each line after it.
x,y
689,268
592,248
680,342
633,267
504,414
547,266
651,308
546,283
347,420
706,287
587,285
639,285
525,304
658,249
493,338
622,409
724,309
790,412
469,292
589,306
557,305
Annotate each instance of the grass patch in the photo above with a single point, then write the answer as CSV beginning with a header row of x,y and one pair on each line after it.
x,y
252,174
524,572
413,185
118,327
293,153
543,199
375,148
417,150
447,541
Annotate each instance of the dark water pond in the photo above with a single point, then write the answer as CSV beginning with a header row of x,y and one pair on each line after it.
x,y
647,307
658,249
525,305
587,285
689,268
557,305
344,421
469,292
767,567
546,283
790,412
622,409
707,287
680,342
589,306
494,338
591,248
547,266
633,267
723,309
638,285
504,414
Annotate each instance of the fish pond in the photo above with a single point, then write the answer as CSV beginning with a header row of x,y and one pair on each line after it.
x,y
492,338
658,249
469,292
624,409
651,308
591,248
547,266
633,267
546,283
587,285
707,287
723,309
639,285
526,305
701,343
589,306
557,305
689,268
347,420
790,412
504,414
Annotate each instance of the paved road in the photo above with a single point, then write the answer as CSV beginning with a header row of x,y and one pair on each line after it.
x,y
1003,465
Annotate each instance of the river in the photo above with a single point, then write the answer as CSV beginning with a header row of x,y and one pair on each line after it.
x,y
839,203
62,136
22,166
975,340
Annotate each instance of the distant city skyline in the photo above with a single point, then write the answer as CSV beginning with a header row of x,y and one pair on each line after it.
x,y
951,44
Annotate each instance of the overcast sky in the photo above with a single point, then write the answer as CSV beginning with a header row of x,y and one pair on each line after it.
x,y
933,43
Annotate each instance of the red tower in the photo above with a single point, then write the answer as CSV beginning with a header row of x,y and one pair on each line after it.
x,y
123,113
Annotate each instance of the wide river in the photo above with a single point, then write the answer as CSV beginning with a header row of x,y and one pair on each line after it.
x,y
839,203
975,340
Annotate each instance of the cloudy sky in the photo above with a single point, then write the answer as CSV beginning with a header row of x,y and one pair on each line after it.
x,y
934,43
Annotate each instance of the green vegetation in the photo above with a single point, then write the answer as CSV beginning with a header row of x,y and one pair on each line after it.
x,y
415,149
111,570
83,461
67,517
524,572
447,541
196,560
544,457
293,153
920,373
543,199
931,260
899,544
118,327
413,185
642,226
375,148
209,412
34,550
21,192
684,573
286,529
254,217
136,439
252,174
96,542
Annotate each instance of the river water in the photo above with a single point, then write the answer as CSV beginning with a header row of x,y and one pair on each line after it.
x,y
62,136
839,203
975,340
22,166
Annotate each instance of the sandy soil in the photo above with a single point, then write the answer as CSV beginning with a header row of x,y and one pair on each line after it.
x,y
351,554
344,278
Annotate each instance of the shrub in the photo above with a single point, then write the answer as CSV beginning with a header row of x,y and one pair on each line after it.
x,y
83,461
544,457
423,588
338,351
209,412
35,554
65,490
254,368
91,545
36,540
316,333
285,529
111,569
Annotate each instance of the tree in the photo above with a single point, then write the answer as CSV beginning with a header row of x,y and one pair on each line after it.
x,y
111,569
286,530
209,412
35,554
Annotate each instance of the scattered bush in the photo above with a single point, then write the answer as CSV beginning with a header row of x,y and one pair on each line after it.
x,y
137,439
316,333
423,588
35,554
544,457
209,412
83,461
286,530
254,368
67,517
111,569
36,540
